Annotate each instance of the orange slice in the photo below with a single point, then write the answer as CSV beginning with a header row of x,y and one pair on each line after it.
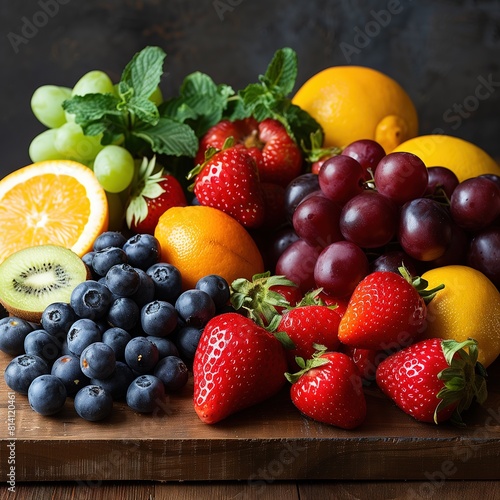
x,y
56,202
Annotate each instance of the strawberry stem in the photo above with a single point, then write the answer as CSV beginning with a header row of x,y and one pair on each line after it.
x,y
420,285
306,365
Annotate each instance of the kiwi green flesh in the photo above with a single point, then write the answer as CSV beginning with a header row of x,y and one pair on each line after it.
x,y
34,277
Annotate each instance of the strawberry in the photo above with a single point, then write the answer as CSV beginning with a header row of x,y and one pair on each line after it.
x,y
366,360
433,380
228,180
306,326
386,311
237,364
278,157
153,194
328,389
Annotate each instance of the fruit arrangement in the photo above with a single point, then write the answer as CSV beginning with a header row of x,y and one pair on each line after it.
x,y
250,241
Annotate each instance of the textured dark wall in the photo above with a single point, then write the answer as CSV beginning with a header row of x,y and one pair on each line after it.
x,y
440,51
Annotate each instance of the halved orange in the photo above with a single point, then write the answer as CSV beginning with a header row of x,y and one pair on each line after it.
x,y
56,202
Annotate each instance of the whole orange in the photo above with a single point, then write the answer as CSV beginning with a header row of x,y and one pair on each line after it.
x,y
356,102
200,240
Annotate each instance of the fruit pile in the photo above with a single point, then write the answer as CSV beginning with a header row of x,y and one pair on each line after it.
x,y
237,238
128,333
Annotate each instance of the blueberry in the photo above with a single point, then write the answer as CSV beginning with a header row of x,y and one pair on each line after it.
x,y
158,318
13,331
109,239
117,338
93,403
117,383
22,370
166,347
123,313
141,355
145,394
186,339
98,360
67,369
217,287
146,291
42,344
90,299
104,260
167,280
83,333
195,307
47,394
143,250
173,372
58,318
123,280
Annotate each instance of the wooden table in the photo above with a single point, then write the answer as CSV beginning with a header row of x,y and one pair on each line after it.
x,y
267,451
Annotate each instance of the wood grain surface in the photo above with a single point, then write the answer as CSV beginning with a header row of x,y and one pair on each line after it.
x,y
267,443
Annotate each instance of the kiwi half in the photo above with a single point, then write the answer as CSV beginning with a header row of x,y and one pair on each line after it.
x,y
34,277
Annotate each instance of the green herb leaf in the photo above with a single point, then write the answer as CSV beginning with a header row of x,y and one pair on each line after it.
x,y
169,137
281,73
91,107
143,72
144,109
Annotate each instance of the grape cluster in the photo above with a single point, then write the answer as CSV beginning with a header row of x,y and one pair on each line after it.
x,y
128,334
366,210
113,164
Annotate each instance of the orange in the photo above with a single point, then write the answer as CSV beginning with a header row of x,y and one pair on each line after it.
x,y
464,158
355,102
467,307
200,240
57,202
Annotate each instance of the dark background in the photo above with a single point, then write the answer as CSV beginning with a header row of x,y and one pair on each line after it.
x,y
438,50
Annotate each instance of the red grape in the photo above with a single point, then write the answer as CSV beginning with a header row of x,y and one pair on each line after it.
x,y
475,203
441,179
340,178
484,254
316,220
425,229
392,261
367,152
369,220
401,177
297,263
456,252
295,192
340,267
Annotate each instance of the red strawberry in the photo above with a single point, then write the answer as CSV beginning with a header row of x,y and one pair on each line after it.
x,y
228,180
307,325
433,379
366,360
237,364
329,389
153,194
385,311
278,157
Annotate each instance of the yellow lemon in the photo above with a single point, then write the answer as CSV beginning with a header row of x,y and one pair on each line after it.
x,y
356,102
464,158
467,307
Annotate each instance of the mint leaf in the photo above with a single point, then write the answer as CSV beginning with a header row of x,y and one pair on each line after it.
x,y
144,109
303,127
169,137
282,71
143,72
201,103
90,107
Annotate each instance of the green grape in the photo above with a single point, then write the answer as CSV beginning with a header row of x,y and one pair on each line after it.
x,y
156,97
72,143
93,82
114,168
42,147
46,104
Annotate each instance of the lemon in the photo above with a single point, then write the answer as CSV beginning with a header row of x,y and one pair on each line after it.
x,y
464,158
467,307
356,102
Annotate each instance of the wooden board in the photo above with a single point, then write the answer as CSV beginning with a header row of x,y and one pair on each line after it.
x,y
267,443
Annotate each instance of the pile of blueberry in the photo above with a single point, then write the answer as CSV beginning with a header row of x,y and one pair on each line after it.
x,y
128,334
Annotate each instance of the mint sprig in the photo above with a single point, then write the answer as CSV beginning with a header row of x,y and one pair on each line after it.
x,y
131,115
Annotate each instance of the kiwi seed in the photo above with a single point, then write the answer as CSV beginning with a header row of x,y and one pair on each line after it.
x,y
34,277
